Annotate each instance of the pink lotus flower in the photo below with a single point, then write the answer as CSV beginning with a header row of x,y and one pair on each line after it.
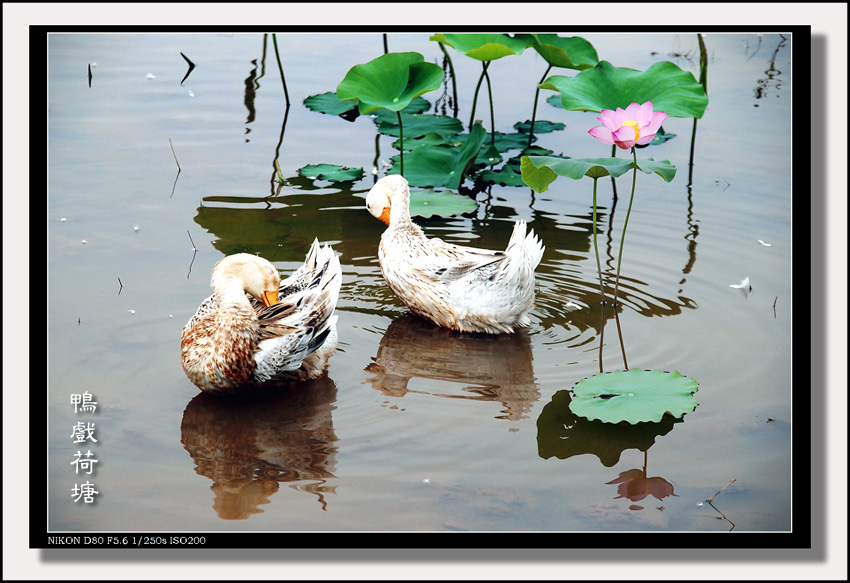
x,y
637,124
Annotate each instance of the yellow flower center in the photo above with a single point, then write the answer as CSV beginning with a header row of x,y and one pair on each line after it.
x,y
634,125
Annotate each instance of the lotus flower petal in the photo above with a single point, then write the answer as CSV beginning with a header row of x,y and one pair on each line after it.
x,y
637,124
603,134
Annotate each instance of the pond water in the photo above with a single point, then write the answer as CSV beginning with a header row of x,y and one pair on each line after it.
x,y
413,428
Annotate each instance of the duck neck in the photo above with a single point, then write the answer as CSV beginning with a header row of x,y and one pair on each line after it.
x,y
231,292
400,210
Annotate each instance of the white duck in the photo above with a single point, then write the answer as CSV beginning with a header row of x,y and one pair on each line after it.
x,y
255,328
462,288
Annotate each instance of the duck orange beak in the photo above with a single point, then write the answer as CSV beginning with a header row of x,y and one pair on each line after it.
x,y
269,298
385,215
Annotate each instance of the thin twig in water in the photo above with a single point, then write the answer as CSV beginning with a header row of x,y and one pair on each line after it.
x,y
175,155
194,253
120,284
191,67
774,305
732,481
174,186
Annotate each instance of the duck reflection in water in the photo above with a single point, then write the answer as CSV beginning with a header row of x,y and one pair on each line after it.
x,y
249,447
489,367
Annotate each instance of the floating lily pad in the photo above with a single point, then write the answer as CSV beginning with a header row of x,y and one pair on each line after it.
x,y
633,396
443,203
541,126
660,137
506,176
330,104
555,101
514,141
432,139
331,172
489,157
416,105
566,52
671,90
438,166
485,47
563,434
390,81
418,125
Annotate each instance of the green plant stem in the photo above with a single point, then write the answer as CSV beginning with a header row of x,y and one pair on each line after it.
x,y
620,335
492,115
601,336
625,225
280,68
534,112
400,144
475,95
595,247
614,180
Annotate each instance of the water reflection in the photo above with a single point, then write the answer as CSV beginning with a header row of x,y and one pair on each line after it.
x,y
771,75
280,228
563,434
249,447
486,367
635,485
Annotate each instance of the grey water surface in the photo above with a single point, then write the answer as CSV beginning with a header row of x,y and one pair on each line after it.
x,y
413,428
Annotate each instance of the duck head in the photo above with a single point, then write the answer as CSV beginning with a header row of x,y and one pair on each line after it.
x,y
387,191
256,276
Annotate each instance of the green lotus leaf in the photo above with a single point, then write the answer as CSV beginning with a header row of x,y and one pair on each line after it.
x,y
329,103
563,434
441,166
485,47
555,101
633,396
663,168
660,137
390,81
418,125
489,157
416,105
514,141
571,52
540,127
540,171
442,203
671,90
431,139
330,172
506,176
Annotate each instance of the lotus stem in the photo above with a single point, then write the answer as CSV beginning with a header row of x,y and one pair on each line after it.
x,y
534,114
614,180
400,143
475,95
625,225
595,247
492,115
280,68
620,335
